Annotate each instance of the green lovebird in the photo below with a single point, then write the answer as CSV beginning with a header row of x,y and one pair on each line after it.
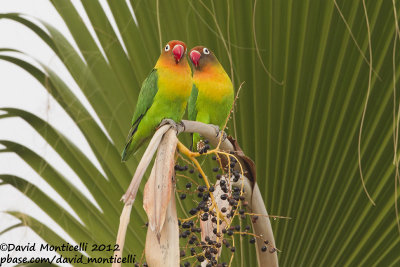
x,y
212,95
164,95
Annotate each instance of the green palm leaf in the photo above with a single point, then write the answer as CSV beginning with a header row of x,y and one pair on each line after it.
x,y
306,69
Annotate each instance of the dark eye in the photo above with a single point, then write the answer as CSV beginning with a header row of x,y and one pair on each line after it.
x,y
206,51
167,47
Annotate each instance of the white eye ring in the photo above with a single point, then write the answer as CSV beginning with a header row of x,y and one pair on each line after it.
x,y
206,51
167,47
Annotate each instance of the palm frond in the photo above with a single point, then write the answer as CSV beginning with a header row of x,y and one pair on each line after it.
x,y
307,69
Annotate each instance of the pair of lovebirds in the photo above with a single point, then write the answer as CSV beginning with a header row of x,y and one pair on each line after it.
x,y
170,87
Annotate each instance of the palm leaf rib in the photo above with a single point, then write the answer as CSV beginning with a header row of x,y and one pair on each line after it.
x,y
305,67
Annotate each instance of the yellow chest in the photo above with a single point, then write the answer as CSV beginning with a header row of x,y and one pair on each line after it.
x,y
175,82
216,86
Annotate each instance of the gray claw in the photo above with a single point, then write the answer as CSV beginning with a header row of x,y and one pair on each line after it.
x,y
216,128
219,132
179,127
224,136
167,121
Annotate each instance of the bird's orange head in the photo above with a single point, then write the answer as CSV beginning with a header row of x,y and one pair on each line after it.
x,y
202,57
174,50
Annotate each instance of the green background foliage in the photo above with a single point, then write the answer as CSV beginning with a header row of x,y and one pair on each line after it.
x,y
306,80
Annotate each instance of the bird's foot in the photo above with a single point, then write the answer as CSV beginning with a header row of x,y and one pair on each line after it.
x,y
219,133
221,136
167,121
179,127
216,128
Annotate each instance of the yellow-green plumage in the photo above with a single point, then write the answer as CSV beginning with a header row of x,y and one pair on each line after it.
x,y
212,95
164,95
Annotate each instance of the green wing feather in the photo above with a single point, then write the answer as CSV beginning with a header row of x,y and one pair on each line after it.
x,y
145,100
147,92
192,111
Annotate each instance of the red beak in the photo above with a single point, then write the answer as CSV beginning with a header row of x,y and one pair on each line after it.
x,y
178,51
195,57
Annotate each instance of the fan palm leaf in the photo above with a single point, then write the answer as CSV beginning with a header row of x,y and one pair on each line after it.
x,y
314,72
